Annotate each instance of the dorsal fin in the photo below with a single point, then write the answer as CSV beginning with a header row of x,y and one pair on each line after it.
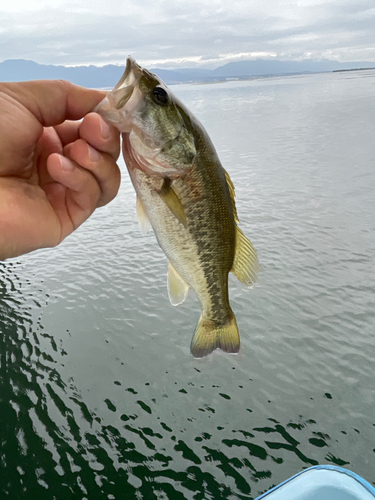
x,y
245,264
232,195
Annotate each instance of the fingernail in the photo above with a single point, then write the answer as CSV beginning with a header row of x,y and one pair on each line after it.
x,y
94,155
105,129
66,164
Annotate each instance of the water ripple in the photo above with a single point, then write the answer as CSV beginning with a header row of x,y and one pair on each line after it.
x,y
99,397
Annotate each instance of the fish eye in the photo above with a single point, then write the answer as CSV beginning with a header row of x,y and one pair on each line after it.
x,y
160,96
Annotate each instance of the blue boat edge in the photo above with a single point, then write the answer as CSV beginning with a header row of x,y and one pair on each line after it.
x,y
341,470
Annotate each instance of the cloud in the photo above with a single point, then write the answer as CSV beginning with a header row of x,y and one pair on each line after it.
x,y
179,33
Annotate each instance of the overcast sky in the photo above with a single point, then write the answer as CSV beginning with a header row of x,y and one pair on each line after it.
x,y
185,33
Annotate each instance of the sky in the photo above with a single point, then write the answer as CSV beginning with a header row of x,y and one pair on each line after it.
x,y
186,33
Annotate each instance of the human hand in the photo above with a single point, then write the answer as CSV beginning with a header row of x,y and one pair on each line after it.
x,y
55,170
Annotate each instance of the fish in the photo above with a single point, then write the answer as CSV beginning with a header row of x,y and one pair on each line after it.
x,y
187,197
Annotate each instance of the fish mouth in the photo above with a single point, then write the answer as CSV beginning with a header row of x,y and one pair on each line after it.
x,y
112,107
123,91
131,75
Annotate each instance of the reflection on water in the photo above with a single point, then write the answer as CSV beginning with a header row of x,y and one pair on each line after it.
x,y
51,440
99,395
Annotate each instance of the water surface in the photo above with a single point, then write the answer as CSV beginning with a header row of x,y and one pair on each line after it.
x,y
99,395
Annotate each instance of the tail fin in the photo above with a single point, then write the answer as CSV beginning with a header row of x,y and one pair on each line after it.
x,y
210,336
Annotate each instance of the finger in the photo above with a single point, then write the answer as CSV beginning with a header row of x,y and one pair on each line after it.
x,y
74,195
101,165
53,101
68,131
48,143
96,132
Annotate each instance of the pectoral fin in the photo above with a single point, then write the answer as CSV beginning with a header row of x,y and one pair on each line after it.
x,y
172,201
177,288
245,264
144,223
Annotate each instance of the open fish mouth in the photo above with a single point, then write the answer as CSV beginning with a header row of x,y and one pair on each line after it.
x,y
119,104
131,75
127,83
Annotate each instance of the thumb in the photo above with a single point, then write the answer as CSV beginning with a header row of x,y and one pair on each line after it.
x,y
53,101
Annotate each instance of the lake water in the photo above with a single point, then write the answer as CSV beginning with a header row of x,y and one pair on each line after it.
x,y
100,397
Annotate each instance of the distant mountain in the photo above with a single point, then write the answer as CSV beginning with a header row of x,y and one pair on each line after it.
x,y
261,67
107,76
88,76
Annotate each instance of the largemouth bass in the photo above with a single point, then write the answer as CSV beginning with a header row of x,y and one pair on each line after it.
x,y
187,197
